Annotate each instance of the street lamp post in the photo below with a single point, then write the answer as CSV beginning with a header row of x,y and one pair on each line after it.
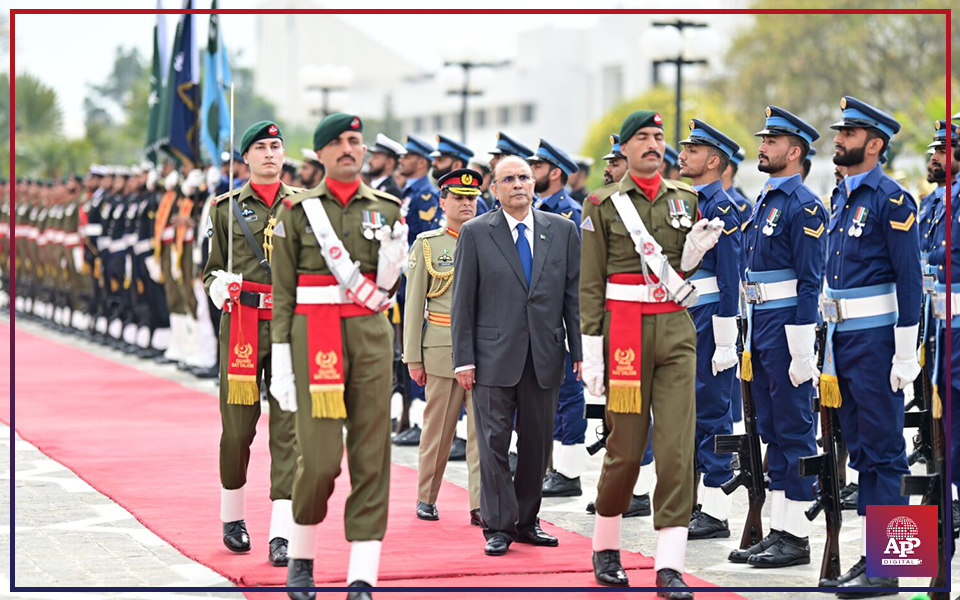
x,y
461,76
326,79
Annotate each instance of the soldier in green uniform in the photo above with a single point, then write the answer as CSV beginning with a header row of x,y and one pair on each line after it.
x,y
641,239
249,215
339,251
427,344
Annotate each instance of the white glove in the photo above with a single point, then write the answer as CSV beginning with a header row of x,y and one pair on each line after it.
x,y
152,176
128,268
170,181
78,259
192,183
392,256
218,289
803,359
213,179
282,385
592,367
702,237
725,337
905,367
175,270
153,268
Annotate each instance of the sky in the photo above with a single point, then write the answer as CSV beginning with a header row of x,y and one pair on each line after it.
x,y
68,52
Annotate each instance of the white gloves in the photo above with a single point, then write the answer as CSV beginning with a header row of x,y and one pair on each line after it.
x,y
282,385
803,360
592,367
218,289
153,268
702,237
128,268
170,181
393,256
192,183
78,259
725,337
905,367
152,176
213,179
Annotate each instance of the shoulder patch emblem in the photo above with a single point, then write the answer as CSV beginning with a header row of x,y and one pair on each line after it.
x,y
566,215
594,199
898,201
412,262
587,224
426,196
427,215
723,210
904,226
287,203
279,230
811,211
814,233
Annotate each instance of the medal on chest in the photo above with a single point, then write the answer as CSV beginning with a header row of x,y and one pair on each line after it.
x,y
772,219
445,260
373,223
859,220
679,213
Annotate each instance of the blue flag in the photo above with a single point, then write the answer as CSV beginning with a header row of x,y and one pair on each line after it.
x,y
185,97
215,112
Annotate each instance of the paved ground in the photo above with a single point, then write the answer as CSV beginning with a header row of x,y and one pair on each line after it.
x,y
68,534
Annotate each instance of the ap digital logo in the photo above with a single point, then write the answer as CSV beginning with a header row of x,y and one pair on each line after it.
x,y
902,539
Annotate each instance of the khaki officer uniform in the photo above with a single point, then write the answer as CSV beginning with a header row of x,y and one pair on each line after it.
x,y
239,416
427,344
668,372
367,365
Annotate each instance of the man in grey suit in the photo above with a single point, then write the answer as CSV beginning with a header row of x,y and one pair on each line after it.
x,y
512,310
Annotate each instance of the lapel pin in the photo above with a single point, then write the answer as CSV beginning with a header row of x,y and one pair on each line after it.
x,y
543,237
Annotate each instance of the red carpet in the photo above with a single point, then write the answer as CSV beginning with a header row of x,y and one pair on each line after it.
x,y
151,446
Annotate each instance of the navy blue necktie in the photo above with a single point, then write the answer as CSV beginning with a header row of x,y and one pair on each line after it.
x,y
523,250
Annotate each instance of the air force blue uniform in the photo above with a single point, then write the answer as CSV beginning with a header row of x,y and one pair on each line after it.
x,y
421,201
873,249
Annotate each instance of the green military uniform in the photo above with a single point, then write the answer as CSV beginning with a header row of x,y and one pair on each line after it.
x,y
427,344
367,360
239,417
5,243
668,371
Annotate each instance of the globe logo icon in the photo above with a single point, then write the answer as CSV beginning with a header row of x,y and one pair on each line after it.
x,y
902,529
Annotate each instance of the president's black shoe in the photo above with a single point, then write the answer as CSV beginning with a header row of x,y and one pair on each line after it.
x,y
558,485
360,594
300,575
278,552
458,449
703,526
408,437
855,571
787,551
537,537
608,570
476,520
862,581
235,536
639,506
497,545
741,556
427,512
673,581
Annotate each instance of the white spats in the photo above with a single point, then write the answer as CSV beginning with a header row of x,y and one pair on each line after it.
x,y
303,542
571,460
143,337
606,533
161,338
645,480
232,505
115,329
671,548
715,503
176,347
130,333
281,519
462,427
364,562
777,499
795,522
101,325
417,407
863,536
396,405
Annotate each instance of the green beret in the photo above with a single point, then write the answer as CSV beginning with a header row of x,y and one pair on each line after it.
x,y
636,121
332,126
259,131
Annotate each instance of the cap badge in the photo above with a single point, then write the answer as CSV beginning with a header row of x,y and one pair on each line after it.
x,y
769,112
657,119
272,130
843,103
466,179
355,123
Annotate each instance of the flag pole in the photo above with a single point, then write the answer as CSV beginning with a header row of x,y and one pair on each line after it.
x,y
230,193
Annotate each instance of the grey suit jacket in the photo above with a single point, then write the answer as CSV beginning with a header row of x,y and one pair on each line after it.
x,y
496,317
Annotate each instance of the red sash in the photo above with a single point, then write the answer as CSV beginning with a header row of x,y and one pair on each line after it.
x,y
325,347
243,349
626,343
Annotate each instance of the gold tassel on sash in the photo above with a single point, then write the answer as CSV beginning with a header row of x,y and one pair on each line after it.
x,y
923,355
830,391
937,404
242,389
625,398
328,401
746,367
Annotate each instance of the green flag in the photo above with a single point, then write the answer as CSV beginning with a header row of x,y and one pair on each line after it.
x,y
156,88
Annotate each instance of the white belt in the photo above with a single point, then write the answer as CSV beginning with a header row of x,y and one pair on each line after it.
x,y
103,243
71,239
57,236
842,309
93,229
757,292
118,245
940,305
143,246
130,239
323,294
707,285
168,234
637,293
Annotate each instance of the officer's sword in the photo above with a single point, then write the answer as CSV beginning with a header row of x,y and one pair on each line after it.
x,y
230,191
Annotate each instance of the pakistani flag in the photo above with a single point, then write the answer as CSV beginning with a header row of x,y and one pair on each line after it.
x,y
184,85
161,58
215,112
